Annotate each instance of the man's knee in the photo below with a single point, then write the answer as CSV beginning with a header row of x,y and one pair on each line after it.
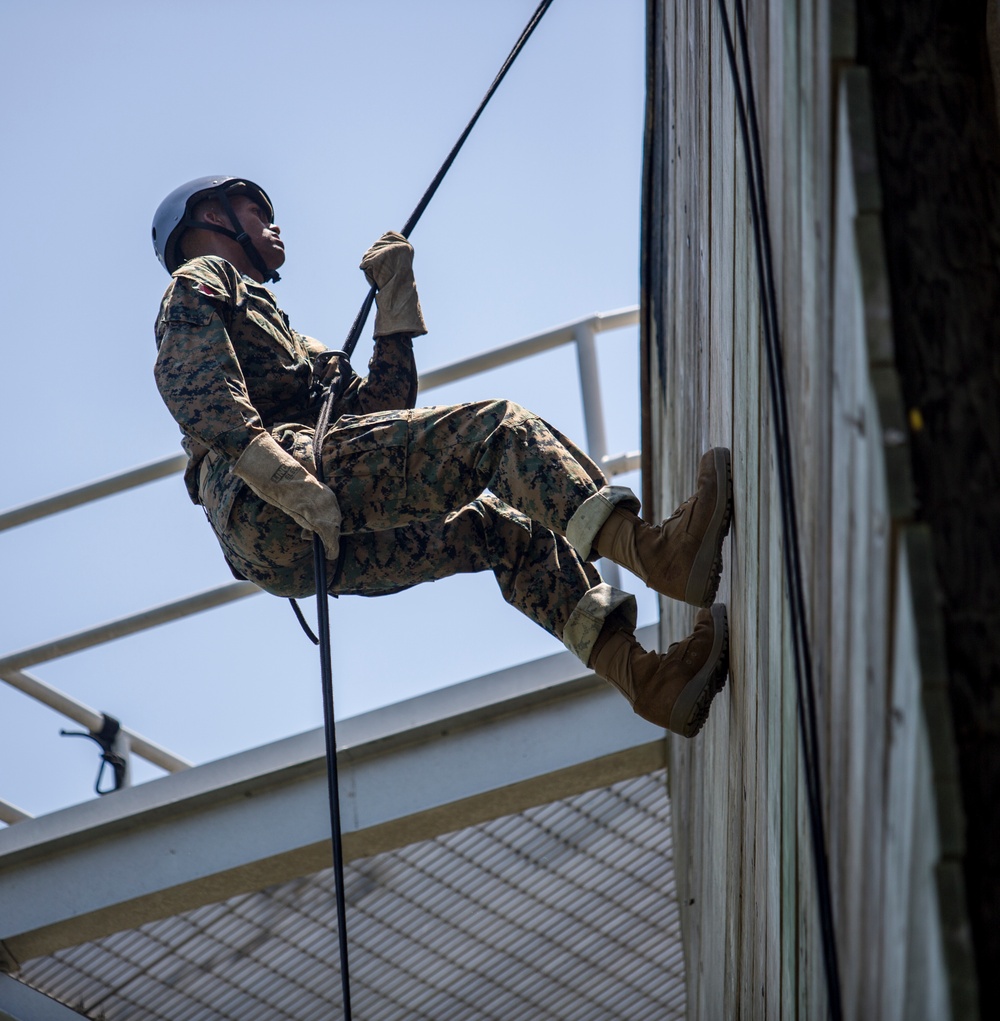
x,y
504,527
503,412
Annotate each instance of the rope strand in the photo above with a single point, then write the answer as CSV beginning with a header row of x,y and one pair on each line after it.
x,y
359,321
319,553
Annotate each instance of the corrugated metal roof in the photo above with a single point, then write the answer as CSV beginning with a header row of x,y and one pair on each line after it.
x,y
565,911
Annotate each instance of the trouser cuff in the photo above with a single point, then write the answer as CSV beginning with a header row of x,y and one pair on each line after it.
x,y
589,517
588,617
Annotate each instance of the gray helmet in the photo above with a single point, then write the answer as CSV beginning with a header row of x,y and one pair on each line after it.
x,y
173,217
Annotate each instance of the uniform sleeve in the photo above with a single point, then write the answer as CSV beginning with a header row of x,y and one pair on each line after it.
x,y
391,383
197,371
312,346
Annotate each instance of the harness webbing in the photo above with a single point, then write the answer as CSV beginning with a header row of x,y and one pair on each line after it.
x,y
319,553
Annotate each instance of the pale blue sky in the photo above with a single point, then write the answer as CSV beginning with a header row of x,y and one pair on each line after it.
x,y
343,111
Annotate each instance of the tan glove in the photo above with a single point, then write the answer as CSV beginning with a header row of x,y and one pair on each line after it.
x,y
275,476
388,265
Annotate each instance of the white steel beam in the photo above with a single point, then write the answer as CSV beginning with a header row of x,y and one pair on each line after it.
x,y
11,814
450,759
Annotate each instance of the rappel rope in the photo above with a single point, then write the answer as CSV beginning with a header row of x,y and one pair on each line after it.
x,y
746,106
319,553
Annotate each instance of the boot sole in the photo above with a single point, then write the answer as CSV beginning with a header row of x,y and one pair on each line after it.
x,y
691,708
706,571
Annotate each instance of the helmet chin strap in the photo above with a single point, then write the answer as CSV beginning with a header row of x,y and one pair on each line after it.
x,y
240,236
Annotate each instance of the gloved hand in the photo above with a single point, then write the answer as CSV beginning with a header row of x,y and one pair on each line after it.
x,y
388,265
275,476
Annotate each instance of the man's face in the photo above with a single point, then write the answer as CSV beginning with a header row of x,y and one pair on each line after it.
x,y
255,221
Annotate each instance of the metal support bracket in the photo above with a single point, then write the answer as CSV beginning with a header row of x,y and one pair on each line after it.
x,y
114,752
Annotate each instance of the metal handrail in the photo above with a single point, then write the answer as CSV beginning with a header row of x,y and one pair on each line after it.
x,y
11,813
93,720
123,626
516,350
579,332
599,322
93,491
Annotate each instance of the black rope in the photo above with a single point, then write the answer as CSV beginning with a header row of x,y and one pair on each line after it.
x,y
362,316
804,678
319,553
303,623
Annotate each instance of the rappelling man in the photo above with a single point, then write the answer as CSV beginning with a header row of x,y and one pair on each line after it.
x,y
412,494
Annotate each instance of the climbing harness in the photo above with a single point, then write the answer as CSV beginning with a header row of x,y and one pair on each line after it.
x,y
746,107
106,737
319,553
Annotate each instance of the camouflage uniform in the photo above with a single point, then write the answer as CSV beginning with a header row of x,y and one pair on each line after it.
x,y
411,483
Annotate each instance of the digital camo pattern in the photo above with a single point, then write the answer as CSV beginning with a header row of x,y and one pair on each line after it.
x,y
229,366
537,571
395,467
410,483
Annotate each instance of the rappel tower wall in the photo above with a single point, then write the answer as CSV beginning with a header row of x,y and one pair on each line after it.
x,y
890,797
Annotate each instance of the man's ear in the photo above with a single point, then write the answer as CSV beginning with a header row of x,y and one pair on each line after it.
x,y
211,214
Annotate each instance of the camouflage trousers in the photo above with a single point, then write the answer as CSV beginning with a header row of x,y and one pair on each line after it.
x,y
437,491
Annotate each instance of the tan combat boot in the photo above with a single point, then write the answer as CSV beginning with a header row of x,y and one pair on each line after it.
x,y
673,690
682,557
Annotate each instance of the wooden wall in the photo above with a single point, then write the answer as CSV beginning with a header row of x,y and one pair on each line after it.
x,y
890,794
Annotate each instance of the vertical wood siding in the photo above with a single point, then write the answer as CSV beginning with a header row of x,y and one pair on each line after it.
x,y
746,876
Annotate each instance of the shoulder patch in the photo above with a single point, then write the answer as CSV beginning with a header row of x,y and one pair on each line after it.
x,y
211,272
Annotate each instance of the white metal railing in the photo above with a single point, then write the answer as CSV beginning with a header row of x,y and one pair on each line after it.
x,y
93,491
581,333
11,813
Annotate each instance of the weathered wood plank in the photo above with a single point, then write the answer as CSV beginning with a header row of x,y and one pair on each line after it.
x,y
877,627
902,794
789,750
745,596
745,862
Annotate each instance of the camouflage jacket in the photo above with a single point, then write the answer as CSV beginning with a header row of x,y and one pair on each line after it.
x,y
229,366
